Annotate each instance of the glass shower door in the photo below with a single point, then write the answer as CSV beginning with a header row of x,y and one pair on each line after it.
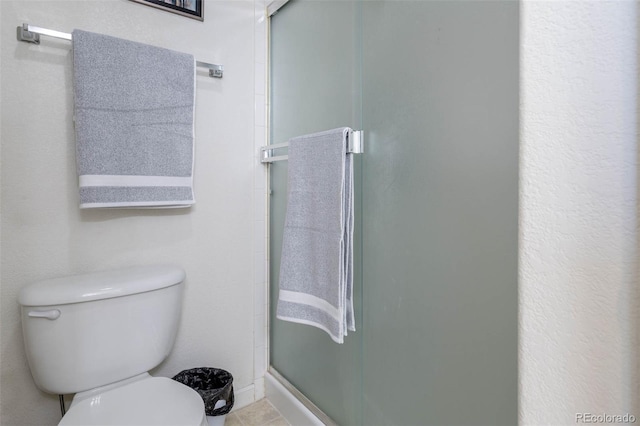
x,y
315,86
440,212
434,86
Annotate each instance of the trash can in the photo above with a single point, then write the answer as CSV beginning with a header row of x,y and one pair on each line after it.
x,y
215,386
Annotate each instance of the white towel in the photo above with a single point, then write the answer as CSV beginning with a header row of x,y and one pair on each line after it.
x,y
316,271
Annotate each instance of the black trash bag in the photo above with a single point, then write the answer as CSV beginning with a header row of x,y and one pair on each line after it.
x,y
213,385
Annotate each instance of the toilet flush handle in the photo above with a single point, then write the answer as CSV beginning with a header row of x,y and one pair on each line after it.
x,y
53,314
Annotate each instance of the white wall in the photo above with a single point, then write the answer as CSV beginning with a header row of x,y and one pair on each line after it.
x,y
578,213
44,234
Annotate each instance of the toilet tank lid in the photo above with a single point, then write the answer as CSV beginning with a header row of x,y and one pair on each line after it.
x,y
100,285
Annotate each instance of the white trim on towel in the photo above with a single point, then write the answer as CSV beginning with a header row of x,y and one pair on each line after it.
x,y
311,300
141,204
337,339
132,180
193,127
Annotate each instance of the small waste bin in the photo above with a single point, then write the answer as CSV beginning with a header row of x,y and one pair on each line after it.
x,y
215,386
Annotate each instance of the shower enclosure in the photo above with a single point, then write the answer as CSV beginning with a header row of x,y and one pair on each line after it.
x,y
434,86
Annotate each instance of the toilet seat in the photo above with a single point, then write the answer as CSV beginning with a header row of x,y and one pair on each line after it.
x,y
157,401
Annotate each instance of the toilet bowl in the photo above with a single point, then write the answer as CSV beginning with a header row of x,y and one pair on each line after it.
x,y
97,336
156,401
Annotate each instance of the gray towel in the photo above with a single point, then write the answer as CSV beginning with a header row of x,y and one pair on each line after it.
x,y
134,123
316,271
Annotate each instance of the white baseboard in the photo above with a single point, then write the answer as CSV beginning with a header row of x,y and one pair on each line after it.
x,y
243,397
289,406
259,391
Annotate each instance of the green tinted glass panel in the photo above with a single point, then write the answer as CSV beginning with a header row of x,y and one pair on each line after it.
x,y
440,110
315,86
434,85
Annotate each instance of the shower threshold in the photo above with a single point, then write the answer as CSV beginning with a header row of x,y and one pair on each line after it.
x,y
294,406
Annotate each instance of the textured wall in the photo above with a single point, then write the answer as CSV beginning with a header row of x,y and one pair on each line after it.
x,y
44,234
578,227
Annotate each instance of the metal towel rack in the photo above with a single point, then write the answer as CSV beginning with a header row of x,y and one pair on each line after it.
x,y
31,34
355,145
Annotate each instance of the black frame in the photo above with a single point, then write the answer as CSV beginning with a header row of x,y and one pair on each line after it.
x,y
176,6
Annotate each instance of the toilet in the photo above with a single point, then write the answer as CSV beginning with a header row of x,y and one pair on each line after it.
x,y
97,335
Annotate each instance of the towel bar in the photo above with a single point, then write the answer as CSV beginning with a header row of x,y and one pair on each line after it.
x,y
355,145
31,34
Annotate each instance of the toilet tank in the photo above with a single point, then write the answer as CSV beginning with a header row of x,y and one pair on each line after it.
x,y
85,331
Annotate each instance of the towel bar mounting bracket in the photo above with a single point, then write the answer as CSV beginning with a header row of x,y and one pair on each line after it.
x,y
23,34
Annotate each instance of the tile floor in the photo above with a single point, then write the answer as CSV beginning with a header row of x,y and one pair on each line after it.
x,y
260,413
